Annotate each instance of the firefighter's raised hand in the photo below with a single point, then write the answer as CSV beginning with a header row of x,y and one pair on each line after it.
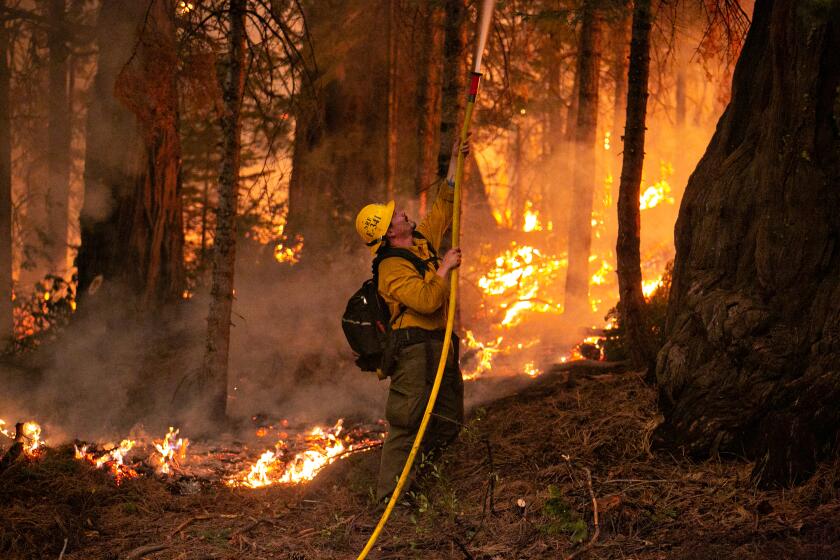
x,y
451,260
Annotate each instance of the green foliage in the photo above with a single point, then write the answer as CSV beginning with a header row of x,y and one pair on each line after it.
x,y
562,518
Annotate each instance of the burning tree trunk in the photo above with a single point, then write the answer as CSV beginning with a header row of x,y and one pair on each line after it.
x,y
58,144
632,302
428,100
214,374
580,227
6,323
131,222
750,359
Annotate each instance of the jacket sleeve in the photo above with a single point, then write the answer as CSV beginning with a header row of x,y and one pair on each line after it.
x,y
399,280
437,221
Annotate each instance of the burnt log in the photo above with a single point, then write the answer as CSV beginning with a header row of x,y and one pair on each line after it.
x,y
750,362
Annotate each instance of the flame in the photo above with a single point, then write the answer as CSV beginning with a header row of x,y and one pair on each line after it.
x,y
659,192
113,461
323,446
484,354
30,438
171,450
531,218
289,254
519,273
650,286
532,370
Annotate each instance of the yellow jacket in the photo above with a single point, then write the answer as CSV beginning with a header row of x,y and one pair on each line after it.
x,y
425,298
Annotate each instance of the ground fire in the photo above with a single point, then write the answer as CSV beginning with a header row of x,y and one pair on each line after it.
x,y
346,279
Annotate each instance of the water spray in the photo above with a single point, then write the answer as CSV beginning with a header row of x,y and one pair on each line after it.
x,y
475,77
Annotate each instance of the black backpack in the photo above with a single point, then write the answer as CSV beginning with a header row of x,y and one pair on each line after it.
x,y
366,321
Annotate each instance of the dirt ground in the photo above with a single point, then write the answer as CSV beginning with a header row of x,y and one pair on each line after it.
x,y
523,482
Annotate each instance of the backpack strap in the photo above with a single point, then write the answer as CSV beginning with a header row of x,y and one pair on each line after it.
x,y
417,235
420,264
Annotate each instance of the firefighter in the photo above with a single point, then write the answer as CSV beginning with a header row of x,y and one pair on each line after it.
x,y
418,310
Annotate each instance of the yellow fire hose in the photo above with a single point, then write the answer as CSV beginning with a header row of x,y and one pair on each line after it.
x,y
450,321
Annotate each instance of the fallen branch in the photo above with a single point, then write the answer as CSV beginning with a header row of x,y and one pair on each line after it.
x,y
63,548
463,549
187,523
256,523
147,549
597,532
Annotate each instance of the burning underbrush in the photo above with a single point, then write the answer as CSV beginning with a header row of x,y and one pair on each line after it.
x,y
523,481
297,454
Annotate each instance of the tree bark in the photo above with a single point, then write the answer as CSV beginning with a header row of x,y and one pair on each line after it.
x,y
429,101
6,322
580,227
215,367
750,360
621,45
453,99
58,143
631,299
393,68
131,221
341,127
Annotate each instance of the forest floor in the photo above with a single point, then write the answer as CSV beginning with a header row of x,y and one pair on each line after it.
x,y
522,482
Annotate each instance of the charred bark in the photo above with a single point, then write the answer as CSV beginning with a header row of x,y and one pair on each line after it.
x,y
631,299
215,367
58,142
750,360
131,221
580,227
6,323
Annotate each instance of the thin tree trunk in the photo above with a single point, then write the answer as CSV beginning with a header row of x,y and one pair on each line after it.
x,y
453,101
6,323
428,99
621,41
680,94
217,347
393,55
632,303
58,142
580,227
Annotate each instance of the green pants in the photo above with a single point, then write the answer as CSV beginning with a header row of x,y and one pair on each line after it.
x,y
411,385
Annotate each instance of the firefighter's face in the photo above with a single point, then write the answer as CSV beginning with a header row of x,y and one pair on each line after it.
x,y
400,224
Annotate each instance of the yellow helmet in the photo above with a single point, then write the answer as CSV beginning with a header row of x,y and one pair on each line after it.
x,y
372,222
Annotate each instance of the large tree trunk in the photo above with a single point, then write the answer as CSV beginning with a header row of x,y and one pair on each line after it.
x,y
6,324
583,189
429,102
58,143
131,221
214,375
632,302
341,127
750,364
